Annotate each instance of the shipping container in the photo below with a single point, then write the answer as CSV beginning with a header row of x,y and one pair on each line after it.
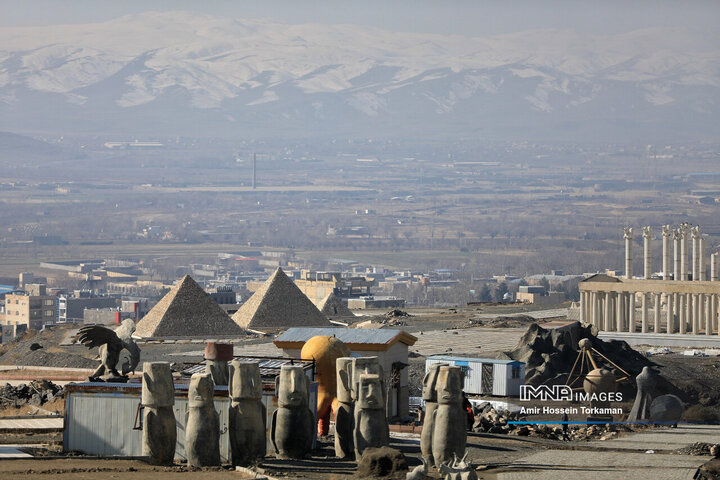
x,y
486,376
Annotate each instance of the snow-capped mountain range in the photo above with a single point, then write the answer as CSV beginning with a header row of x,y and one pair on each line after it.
x,y
187,73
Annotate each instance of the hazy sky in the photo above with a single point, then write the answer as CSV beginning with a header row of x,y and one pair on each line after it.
x,y
466,17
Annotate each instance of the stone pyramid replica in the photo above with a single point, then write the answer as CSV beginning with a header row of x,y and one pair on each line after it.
x,y
186,311
279,304
332,307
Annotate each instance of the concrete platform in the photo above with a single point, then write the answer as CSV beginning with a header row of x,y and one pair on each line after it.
x,y
11,451
664,339
662,439
54,423
622,457
588,465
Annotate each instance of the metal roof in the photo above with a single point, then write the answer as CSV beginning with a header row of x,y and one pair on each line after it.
x,y
379,336
450,358
269,367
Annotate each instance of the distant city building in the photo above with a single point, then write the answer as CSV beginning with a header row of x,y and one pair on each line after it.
x,y
71,308
30,310
376,302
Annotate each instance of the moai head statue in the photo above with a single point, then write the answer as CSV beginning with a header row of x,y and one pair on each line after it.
x,y
628,233
429,391
292,387
370,394
647,232
244,380
450,385
158,389
361,365
343,368
201,390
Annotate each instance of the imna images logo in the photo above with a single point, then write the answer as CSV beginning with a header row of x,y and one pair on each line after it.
x,y
545,393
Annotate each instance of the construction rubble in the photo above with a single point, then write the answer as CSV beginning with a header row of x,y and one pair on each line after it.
x,y
35,393
490,420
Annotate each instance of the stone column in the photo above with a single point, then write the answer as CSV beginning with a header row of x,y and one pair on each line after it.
x,y
656,320
682,313
714,311
708,315
619,297
701,258
695,233
647,253
628,236
670,321
666,233
159,428
713,267
695,313
595,305
608,312
644,314
631,312
677,237
583,303
684,230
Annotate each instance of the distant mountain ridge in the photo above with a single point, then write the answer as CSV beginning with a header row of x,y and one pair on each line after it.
x,y
184,73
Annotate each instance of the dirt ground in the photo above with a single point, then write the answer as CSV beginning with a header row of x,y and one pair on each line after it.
x,y
490,452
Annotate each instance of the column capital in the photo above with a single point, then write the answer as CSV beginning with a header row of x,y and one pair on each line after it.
x,y
628,233
667,231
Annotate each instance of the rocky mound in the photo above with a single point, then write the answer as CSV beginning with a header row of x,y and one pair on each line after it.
x,y
36,393
550,354
489,420
383,462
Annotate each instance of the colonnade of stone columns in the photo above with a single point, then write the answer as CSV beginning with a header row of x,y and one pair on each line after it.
x,y
695,313
674,305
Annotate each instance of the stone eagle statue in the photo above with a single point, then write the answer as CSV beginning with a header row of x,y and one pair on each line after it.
x,y
110,343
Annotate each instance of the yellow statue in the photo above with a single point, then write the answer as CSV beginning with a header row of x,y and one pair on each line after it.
x,y
325,351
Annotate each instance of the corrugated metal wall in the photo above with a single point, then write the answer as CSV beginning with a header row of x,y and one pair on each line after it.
x,y
102,423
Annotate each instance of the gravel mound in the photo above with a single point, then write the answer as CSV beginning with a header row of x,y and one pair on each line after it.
x,y
36,393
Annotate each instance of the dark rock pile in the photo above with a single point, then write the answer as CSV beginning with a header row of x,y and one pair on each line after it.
x,y
489,420
697,448
35,393
549,354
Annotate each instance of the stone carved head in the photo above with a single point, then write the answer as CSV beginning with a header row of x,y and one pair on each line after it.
x,y
361,365
429,391
244,380
158,389
450,385
343,368
370,392
201,390
292,386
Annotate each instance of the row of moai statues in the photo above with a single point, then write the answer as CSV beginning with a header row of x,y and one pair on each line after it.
x,y
360,419
444,433
293,423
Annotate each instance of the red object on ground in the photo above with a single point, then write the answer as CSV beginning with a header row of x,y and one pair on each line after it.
x,y
219,351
